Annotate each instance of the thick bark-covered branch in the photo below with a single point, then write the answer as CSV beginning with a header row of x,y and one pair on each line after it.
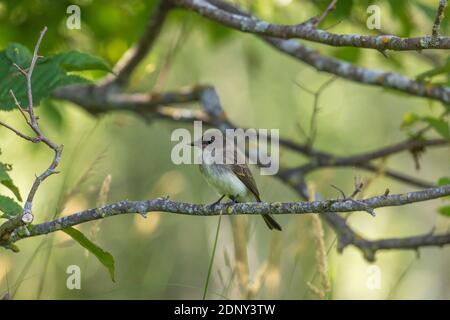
x,y
322,159
98,99
166,205
361,75
369,248
307,32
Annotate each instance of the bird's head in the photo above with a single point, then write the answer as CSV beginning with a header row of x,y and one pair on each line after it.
x,y
207,139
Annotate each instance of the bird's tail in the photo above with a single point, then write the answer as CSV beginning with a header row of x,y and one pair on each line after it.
x,y
271,223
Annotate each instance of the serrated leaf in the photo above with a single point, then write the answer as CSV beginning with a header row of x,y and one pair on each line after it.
x,y
6,180
439,125
49,73
79,61
443,181
105,258
9,207
445,211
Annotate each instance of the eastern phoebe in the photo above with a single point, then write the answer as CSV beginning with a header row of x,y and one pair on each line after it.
x,y
229,178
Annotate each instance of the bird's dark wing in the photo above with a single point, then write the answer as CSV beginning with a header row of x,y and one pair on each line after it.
x,y
245,175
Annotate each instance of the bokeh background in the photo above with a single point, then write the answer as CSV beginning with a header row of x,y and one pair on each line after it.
x,y
167,256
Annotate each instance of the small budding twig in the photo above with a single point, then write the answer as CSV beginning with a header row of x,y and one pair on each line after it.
x,y
359,185
439,17
32,120
313,121
315,21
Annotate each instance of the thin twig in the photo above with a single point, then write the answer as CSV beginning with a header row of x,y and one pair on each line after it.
x,y
27,217
20,134
440,14
327,11
17,103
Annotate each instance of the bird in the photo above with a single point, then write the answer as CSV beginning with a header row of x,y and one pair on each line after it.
x,y
229,178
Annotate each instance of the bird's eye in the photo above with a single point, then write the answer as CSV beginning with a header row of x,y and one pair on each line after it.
x,y
212,139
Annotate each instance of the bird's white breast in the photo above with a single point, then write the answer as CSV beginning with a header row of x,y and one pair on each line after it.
x,y
224,180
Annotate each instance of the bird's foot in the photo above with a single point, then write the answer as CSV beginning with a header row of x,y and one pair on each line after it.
x,y
231,202
214,204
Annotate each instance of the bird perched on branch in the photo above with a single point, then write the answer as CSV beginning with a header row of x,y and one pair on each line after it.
x,y
230,178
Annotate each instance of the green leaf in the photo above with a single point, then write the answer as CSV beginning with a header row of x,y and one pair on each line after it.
x,y
78,61
49,73
9,207
6,180
445,211
439,125
103,256
443,181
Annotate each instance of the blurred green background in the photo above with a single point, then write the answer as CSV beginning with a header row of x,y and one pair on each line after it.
x,y
167,255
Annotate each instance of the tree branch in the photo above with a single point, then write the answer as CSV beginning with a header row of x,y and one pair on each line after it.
x,y
166,205
315,21
306,32
346,70
323,159
96,99
369,248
